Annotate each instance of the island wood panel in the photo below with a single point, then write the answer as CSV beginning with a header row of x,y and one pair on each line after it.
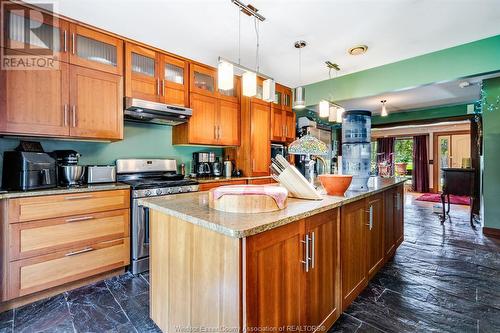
x,y
39,273
194,276
399,215
353,250
275,282
54,206
35,102
31,239
390,213
96,100
375,235
323,299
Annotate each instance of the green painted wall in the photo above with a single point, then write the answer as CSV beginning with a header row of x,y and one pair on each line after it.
x,y
432,113
474,58
491,156
141,141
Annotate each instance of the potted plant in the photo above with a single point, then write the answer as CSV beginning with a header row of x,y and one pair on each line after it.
x,y
404,156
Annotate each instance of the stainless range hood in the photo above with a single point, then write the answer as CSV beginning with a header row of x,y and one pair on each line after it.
x,y
139,110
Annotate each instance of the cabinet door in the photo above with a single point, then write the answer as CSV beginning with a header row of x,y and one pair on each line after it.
x,y
290,126
174,81
96,100
278,98
141,73
202,124
375,233
259,139
35,101
323,279
202,80
389,221
287,99
47,36
278,124
228,130
353,251
399,216
275,277
96,50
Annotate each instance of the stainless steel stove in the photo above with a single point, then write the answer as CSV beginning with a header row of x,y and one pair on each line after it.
x,y
148,178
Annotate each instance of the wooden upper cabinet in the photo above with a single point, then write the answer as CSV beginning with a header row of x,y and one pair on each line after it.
x,y
323,279
290,125
202,126
353,250
375,233
202,80
286,99
94,49
278,124
275,278
50,35
174,76
278,97
260,116
141,73
228,122
35,102
96,100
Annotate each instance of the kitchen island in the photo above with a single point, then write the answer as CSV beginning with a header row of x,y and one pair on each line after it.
x,y
293,269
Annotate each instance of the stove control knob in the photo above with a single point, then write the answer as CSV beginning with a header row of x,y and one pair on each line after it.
x,y
147,193
168,191
180,189
159,192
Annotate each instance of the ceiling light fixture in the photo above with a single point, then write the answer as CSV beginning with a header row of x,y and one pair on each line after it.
x,y
384,112
332,114
324,109
358,50
299,94
340,111
226,68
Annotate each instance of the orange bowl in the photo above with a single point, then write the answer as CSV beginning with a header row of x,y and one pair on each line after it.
x,y
335,184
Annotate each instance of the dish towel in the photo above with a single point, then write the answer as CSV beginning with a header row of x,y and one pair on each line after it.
x,y
278,193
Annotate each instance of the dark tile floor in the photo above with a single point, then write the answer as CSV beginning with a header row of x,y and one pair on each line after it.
x,y
442,279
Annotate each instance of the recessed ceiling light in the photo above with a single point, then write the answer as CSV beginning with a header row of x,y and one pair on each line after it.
x,y
358,50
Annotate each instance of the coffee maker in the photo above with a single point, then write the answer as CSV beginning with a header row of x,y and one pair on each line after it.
x,y
204,164
69,173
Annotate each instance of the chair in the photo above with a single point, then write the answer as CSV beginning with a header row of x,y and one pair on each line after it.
x,y
457,181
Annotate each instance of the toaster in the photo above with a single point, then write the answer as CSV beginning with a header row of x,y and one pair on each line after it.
x,y
101,174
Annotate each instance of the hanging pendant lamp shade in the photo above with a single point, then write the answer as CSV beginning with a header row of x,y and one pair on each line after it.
x,y
324,109
249,84
306,145
384,112
268,90
225,75
332,114
340,112
299,93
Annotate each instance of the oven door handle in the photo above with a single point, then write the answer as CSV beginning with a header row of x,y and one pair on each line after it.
x,y
146,224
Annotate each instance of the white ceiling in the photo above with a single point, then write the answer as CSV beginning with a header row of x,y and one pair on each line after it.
x,y
203,30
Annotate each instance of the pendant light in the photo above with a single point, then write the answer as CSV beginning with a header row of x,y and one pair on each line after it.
x,y
324,109
249,84
384,112
225,75
268,90
340,112
332,114
299,94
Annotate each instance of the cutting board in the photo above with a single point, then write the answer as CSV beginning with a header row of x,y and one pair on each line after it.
x,y
243,203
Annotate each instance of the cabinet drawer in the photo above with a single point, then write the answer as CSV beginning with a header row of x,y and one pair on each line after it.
x,y
261,181
54,206
45,236
31,275
208,186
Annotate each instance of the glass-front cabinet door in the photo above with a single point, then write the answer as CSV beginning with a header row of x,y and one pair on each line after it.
x,y
173,80
232,94
141,73
96,50
202,80
278,95
287,99
27,31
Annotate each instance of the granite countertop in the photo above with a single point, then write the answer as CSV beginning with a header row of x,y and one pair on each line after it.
x,y
193,207
63,190
224,179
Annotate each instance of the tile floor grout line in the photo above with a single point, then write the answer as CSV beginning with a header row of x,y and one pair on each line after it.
x,y
119,304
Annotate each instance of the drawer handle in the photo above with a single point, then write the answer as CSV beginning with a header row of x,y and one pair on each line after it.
x,y
82,218
78,197
74,253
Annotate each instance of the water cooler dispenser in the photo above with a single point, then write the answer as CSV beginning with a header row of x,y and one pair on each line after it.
x,y
356,149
